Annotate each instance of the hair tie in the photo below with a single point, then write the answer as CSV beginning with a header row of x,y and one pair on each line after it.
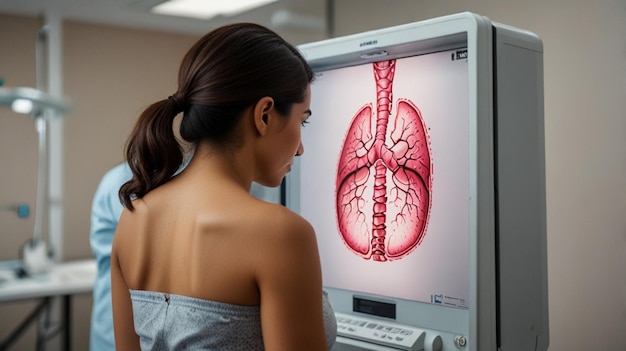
x,y
180,106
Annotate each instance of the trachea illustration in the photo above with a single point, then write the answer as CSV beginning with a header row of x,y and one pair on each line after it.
x,y
383,186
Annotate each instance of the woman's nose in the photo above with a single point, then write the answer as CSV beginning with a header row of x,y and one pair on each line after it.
x,y
300,149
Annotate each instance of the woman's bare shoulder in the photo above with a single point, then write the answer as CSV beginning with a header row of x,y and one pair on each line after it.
x,y
285,238
281,221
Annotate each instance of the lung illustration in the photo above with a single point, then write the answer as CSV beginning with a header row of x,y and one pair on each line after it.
x,y
383,185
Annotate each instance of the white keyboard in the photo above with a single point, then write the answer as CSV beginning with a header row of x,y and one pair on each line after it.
x,y
398,336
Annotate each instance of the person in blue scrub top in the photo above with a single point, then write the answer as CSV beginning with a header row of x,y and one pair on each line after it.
x,y
105,213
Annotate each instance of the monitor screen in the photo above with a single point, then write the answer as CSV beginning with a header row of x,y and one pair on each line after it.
x,y
384,179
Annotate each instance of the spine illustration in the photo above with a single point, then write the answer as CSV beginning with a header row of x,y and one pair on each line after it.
x,y
392,221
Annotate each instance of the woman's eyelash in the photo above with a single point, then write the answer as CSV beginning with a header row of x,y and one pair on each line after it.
x,y
304,122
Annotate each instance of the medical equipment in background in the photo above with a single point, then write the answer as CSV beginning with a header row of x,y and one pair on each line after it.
x,y
41,106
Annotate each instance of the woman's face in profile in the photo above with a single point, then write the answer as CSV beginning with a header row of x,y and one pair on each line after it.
x,y
287,142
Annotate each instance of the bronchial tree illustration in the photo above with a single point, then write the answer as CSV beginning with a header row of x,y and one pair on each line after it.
x,y
383,186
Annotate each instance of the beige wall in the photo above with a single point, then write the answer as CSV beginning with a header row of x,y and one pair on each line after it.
x,y
18,156
112,73
18,136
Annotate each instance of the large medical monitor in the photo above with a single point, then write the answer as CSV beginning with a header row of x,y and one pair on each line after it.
x,y
423,176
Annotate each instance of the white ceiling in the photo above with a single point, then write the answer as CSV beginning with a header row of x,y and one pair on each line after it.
x,y
303,15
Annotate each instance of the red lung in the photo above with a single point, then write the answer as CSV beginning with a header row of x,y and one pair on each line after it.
x,y
377,220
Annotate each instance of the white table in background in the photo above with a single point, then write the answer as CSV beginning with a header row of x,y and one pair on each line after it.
x,y
63,280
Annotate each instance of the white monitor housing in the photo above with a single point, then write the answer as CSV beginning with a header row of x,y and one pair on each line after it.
x,y
424,178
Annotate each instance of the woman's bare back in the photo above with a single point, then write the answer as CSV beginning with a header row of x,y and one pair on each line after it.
x,y
207,246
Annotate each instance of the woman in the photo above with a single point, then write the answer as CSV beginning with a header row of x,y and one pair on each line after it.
x,y
198,262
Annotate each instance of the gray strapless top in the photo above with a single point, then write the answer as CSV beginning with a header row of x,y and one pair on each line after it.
x,y
175,322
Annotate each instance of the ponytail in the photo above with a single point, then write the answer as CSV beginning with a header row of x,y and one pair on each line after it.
x,y
152,151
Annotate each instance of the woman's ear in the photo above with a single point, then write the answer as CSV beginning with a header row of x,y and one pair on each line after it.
x,y
262,114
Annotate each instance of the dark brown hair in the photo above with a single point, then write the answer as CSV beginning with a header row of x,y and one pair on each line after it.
x,y
226,71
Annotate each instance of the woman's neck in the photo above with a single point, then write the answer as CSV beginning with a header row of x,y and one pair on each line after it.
x,y
214,164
